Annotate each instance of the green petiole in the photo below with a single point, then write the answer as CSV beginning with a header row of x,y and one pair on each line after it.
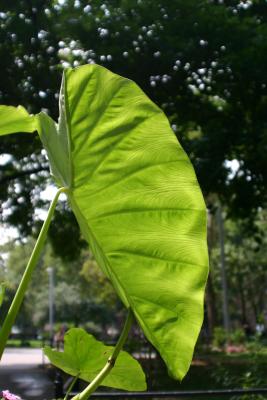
x,y
70,387
16,303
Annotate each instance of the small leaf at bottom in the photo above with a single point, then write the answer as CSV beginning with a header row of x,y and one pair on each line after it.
x,y
85,356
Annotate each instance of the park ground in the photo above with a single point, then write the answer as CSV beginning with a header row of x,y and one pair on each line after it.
x,y
26,371
23,371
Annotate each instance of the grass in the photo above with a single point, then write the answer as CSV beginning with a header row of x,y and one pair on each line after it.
x,y
16,343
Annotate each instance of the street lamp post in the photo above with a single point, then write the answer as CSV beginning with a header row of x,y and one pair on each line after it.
x,y
50,271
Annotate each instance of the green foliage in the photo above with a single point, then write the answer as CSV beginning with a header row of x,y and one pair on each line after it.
x,y
65,229
246,374
33,310
238,336
203,62
2,293
84,356
78,298
219,336
257,346
147,233
15,120
246,269
121,174
97,283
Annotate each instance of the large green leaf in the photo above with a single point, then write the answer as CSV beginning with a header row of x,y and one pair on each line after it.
x,y
84,356
16,119
138,203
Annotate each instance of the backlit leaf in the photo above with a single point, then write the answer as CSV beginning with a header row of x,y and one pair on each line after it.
x,y
138,203
84,356
16,119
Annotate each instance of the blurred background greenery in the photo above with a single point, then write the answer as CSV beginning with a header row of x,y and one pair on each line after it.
x,y
204,63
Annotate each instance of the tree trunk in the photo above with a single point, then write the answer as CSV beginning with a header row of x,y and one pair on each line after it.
x,y
210,297
210,305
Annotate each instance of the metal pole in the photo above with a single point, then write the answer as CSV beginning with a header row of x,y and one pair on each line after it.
x,y
50,271
178,394
226,319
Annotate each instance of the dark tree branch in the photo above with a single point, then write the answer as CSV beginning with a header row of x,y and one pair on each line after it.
x,y
6,179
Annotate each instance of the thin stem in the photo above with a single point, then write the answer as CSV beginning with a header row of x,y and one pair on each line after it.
x,y
91,388
74,380
16,303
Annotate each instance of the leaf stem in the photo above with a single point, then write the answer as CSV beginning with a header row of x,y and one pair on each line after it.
x,y
91,388
16,303
74,380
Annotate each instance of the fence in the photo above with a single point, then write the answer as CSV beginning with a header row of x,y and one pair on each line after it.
x,y
59,393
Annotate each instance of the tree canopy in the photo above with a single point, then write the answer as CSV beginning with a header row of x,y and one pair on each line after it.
x,y
203,62
83,295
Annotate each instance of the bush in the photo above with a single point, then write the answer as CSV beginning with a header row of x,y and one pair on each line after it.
x,y
219,337
238,336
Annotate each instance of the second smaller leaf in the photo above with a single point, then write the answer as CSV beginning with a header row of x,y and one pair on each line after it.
x,y
84,356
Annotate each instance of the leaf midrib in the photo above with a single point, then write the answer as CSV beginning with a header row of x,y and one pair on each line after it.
x,y
68,128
